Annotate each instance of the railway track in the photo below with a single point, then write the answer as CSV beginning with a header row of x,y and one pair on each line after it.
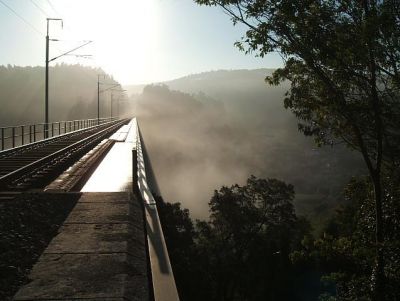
x,y
34,165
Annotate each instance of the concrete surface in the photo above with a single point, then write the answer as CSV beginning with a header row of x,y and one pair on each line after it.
x,y
114,173
99,254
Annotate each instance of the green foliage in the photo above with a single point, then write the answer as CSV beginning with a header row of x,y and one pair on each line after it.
x,y
72,94
249,237
342,59
245,130
179,233
346,251
243,251
254,247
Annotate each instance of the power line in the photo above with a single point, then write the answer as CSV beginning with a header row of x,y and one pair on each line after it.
x,y
23,19
71,30
27,22
45,14
40,9
66,26
53,8
48,16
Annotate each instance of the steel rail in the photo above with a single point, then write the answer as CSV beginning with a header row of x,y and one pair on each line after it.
x,y
67,151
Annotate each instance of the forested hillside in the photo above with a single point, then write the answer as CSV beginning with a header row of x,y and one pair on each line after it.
x,y
72,94
223,126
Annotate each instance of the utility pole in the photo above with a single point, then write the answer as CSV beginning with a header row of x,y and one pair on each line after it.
x,y
117,90
118,107
46,97
101,91
98,96
111,103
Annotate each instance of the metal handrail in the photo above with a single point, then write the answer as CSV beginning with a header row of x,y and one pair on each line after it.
x,y
162,276
18,135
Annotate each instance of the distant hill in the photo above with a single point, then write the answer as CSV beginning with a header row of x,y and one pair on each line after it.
x,y
242,91
134,89
236,88
221,82
216,128
72,94
214,82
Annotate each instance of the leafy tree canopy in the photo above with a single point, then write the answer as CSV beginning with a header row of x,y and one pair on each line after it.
x,y
342,59
243,251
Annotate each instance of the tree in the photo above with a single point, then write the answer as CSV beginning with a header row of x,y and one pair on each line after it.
x,y
342,58
243,252
245,246
179,233
345,251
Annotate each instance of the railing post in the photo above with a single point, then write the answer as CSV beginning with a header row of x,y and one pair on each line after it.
x,y
22,135
52,129
34,133
2,138
13,136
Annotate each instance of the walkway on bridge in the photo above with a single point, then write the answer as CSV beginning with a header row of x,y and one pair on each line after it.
x,y
101,251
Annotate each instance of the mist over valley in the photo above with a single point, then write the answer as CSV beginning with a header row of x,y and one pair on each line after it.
x,y
217,128
202,131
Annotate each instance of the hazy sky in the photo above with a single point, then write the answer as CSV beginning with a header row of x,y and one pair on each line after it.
x,y
137,41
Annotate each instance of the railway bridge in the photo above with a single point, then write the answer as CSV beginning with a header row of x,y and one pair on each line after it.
x,y
97,178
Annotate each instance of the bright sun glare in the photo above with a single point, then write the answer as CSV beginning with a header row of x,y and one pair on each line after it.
x,y
124,35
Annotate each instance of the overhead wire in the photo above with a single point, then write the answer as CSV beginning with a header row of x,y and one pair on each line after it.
x,y
66,26
53,8
39,8
23,19
56,11
42,11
